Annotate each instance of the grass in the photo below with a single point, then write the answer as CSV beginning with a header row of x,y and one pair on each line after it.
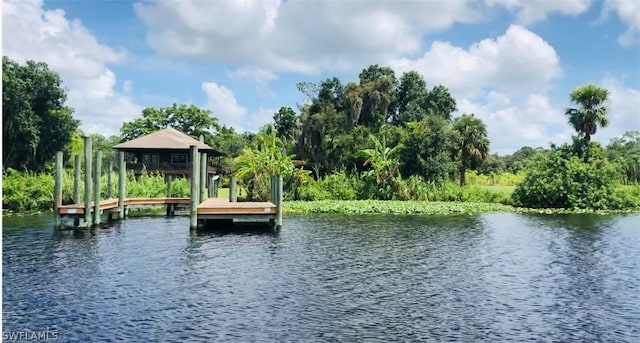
x,y
504,189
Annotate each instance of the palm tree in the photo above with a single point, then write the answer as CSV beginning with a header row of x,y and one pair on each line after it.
x,y
470,142
592,112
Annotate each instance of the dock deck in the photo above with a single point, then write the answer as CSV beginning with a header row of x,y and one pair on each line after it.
x,y
211,209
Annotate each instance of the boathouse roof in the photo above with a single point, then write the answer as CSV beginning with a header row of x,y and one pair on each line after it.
x,y
166,139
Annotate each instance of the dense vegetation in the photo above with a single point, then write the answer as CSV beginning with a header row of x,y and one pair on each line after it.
x,y
380,138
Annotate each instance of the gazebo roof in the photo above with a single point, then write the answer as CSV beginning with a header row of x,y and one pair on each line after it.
x,y
166,139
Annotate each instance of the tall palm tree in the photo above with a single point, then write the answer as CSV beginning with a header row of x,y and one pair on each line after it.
x,y
592,111
471,144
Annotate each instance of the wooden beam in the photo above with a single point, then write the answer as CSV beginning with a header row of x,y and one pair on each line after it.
x,y
87,179
57,192
96,188
122,179
194,186
76,178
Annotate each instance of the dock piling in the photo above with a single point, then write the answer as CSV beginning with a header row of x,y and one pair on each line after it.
x,y
122,178
109,181
169,179
195,158
278,201
76,179
233,186
57,200
87,180
203,176
96,188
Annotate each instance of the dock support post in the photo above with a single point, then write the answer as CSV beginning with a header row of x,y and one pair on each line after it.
x,y
76,179
96,188
273,188
195,158
169,179
216,182
109,181
203,176
278,203
122,178
87,181
57,193
233,185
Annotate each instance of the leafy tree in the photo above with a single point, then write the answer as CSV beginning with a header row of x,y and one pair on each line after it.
x,y
412,95
470,142
190,119
592,110
560,179
625,150
285,124
427,149
440,102
378,91
36,123
383,163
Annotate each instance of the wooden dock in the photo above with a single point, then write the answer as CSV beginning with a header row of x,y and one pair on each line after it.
x,y
204,206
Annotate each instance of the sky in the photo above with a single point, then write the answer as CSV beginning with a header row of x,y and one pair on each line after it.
x,y
513,63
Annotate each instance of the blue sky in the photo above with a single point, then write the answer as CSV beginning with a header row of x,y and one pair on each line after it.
x,y
511,62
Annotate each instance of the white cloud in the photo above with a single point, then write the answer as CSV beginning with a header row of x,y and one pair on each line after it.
x,y
517,60
303,36
262,77
534,122
624,110
629,12
529,11
222,102
72,51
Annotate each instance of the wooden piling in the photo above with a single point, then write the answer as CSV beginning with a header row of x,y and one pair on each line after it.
x,y
109,183
210,188
203,176
87,180
96,188
57,192
278,203
195,190
169,179
122,178
216,184
76,179
233,185
273,195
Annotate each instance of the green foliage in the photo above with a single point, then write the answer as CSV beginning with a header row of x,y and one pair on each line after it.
x,y
26,191
255,165
426,149
592,111
560,179
190,119
285,124
503,178
625,151
36,123
391,207
470,143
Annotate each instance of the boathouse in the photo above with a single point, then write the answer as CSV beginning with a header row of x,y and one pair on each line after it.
x,y
167,152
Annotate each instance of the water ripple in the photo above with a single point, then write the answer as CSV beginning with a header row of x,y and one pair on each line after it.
x,y
492,277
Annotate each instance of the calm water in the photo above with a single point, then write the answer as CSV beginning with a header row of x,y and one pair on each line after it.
x,y
492,277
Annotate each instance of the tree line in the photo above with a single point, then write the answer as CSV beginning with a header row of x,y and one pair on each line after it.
x,y
381,129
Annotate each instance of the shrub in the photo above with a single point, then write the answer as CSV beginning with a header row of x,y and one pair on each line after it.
x,y
562,180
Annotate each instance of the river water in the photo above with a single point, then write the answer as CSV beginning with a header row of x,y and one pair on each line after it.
x,y
490,277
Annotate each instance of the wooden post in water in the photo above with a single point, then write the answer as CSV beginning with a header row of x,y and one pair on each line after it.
x,y
233,185
203,176
216,183
195,190
273,188
76,179
210,188
278,202
57,189
87,181
109,183
122,179
169,179
96,188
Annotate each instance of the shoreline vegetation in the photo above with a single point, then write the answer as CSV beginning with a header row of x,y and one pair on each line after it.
x,y
383,143
30,193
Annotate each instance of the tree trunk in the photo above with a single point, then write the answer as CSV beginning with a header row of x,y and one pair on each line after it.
x,y
463,178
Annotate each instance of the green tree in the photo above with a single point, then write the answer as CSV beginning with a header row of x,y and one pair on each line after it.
x,y
470,143
286,124
427,149
383,163
412,95
592,110
625,150
190,119
36,122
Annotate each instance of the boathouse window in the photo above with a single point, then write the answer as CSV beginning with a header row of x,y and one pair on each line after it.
x,y
150,160
178,158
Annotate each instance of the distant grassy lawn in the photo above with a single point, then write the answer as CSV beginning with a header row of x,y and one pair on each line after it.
x,y
506,190
223,193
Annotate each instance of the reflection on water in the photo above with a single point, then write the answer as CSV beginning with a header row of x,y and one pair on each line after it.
x,y
494,277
